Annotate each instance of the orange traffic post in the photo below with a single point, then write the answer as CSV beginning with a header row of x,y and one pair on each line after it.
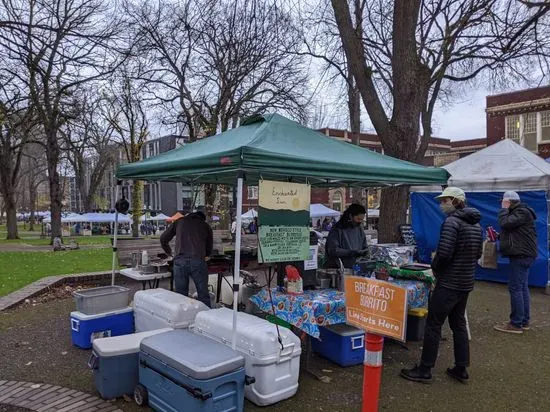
x,y
372,371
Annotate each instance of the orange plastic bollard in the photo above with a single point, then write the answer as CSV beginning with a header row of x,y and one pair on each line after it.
x,y
372,372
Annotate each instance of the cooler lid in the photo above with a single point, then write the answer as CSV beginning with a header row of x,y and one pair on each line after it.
x,y
123,345
344,330
82,316
193,355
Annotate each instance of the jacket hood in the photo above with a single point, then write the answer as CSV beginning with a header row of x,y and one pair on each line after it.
x,y
468,214
526,207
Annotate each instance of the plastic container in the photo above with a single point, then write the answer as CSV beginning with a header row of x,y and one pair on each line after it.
x,y
115,363
416,323
100,300
182,371
161,308
86,328
275,368
341,343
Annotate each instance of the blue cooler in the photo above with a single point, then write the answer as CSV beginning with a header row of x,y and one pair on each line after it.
x,y
86,328
115,362
341,343
182,371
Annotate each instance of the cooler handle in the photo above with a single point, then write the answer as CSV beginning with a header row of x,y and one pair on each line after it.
x,y
75,324
92,362
284,354
361,340
249,380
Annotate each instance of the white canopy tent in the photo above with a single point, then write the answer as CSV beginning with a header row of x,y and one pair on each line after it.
x,y
317,210
502,166
158,218
250,215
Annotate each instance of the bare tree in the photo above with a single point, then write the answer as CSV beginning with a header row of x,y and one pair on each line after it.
x,y
33,174
415,52
90,147
125,111
216,62
59,45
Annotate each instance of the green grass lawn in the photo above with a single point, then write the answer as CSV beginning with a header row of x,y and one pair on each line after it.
x,y
18,269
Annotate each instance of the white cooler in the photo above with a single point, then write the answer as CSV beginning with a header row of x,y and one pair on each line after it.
x,y
160,308
275,369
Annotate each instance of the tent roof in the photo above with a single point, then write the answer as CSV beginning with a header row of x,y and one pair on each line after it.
x,y
320,210
502,166
274,147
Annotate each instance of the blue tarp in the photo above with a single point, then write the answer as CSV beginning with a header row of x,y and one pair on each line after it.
x,y
427,219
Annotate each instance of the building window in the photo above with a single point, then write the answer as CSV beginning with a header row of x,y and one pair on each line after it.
x,y
545,126
252,192
513,128
529,135
337,201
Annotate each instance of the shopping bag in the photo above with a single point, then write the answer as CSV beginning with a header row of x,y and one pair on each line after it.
x,y
489,255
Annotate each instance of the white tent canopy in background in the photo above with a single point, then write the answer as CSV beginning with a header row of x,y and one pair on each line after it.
x,y
250,215
92,218
317,210
157,218
502,166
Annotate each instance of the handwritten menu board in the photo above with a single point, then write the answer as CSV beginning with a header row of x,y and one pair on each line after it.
x,y
283,218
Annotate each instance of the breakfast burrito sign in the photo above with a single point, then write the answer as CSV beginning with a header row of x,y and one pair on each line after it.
x,y
283,219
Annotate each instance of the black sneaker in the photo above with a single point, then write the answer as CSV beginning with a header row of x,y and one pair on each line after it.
x,y
417,374
460,374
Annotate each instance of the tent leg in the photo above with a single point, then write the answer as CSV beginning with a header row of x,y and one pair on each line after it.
x,y
237,265
113,273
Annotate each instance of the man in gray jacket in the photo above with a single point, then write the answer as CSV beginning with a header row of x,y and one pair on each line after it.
x,y
518,241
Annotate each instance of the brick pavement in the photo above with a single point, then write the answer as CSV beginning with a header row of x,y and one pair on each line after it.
x,y
47,398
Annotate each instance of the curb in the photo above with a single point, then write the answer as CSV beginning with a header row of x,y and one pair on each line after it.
x,y
44,398
46,283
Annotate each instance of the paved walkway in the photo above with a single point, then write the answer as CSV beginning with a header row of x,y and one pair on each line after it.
x,y
45,398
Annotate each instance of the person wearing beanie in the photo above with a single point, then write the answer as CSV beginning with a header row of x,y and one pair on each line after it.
x,y
518,242
460,246
346,239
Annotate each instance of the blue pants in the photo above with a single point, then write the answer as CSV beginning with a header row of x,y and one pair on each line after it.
x,y
196,269
519,290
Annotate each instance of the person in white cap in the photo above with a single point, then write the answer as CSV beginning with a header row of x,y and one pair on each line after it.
x,y
518,242
459,248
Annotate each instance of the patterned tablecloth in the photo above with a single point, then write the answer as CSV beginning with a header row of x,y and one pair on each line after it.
x,y
326,306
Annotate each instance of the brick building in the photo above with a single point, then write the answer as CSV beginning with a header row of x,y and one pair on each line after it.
x,y
523,116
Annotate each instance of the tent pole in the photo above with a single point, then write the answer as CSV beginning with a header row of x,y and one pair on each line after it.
x,y
237,263
113,273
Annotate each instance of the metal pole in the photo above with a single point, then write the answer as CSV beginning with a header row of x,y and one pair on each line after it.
x,y
113,274
237,265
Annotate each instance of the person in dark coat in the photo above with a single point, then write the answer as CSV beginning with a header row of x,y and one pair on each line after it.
x,y
518,242
459,248
194,242
347,240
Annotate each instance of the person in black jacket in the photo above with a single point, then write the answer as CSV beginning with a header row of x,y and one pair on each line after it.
x,y
346,239
460,246
518,241
194,242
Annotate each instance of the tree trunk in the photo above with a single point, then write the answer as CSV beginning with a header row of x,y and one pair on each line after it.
x,y
137,206
32,198
11,215
393,211
210,191
354,108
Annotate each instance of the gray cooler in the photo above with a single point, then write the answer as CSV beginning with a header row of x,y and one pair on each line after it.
x,y
181,371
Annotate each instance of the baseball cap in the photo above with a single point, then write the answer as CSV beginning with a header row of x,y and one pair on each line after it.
x,y
454,193
510,195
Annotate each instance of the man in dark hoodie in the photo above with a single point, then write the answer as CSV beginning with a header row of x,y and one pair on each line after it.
x,y
518,241
194,243
346,239
460,246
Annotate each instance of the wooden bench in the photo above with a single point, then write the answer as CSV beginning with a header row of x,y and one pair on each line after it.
x,y
126,246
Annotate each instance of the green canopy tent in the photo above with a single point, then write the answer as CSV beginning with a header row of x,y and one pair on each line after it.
x,y
273,147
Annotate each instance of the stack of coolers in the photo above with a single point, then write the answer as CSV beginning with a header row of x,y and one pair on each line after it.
x,y
115,360
272,360
101,312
